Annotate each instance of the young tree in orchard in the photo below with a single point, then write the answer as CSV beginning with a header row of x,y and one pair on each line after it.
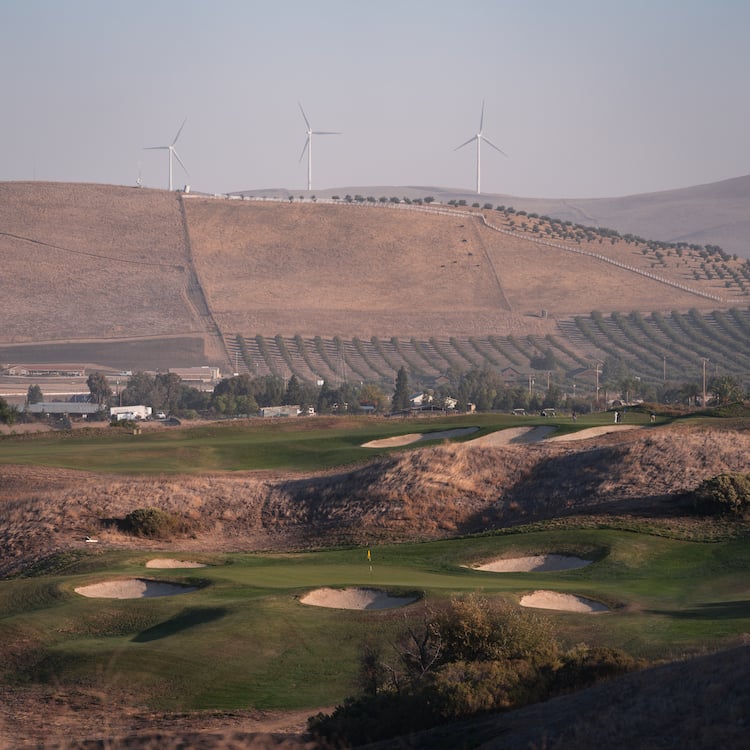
x,y
99,388
400,400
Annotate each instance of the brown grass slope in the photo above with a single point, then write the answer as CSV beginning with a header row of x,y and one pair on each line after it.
x,y
323,269
425,494
105,263
91,262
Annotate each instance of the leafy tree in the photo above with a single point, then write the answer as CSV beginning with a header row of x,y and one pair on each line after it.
x,y
168,390
99,388
726,389
34,395
139,390
400,400
327,397
545,361
371,394
8,413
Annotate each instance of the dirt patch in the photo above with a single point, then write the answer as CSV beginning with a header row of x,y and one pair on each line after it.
x,y
416,437
168,562
562,602
533,564
133,588
355,598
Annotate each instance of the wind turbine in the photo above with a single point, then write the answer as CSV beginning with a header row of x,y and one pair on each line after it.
x,y
308,145
172,152
479,138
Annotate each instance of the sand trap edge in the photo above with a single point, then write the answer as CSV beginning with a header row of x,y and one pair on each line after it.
x,y
533,564
133,588
355,598
164,563
554,600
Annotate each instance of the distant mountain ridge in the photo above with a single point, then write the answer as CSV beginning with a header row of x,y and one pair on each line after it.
x,y
716,213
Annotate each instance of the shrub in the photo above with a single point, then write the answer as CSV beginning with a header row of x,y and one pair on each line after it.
x,y
154,523
474,629
725,494
584,666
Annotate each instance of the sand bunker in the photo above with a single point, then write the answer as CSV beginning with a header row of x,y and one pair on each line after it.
x,y
133,588
415,437
355,598
562,602
595,432
514,436
168,562
533,564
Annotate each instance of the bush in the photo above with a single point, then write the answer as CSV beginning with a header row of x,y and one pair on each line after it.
x,y
584,666
725,494
475,629
154,523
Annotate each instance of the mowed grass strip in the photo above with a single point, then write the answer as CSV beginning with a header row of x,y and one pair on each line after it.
x,y
244,638
296,444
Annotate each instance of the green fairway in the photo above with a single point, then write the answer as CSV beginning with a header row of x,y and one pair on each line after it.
x,y
245,639
296,444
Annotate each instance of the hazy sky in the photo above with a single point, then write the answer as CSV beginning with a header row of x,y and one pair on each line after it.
x,y
588,98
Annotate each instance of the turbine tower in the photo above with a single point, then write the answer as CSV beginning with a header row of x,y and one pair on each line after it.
x,y
172,152
308,145
479,138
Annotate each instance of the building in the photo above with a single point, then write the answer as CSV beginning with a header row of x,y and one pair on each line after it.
x,y
69,408
203,378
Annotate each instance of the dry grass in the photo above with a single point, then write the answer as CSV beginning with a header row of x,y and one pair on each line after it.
x,y
430,493
113,263
109,263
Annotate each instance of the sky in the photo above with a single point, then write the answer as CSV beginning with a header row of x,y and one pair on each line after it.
x,y
588,98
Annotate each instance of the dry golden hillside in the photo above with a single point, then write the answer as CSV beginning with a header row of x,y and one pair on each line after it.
x,y
325,269
89,265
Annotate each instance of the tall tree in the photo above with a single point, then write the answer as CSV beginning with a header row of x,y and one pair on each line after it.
x,y
400,400
99,388
293,393
34,395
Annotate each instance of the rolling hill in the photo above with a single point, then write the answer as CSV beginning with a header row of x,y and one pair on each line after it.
x,y
145,279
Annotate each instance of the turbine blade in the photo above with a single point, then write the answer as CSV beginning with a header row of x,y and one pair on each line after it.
x,y
154,148
481,117
324,132
304,148
307,122
179,131
177,156
466,143
488,141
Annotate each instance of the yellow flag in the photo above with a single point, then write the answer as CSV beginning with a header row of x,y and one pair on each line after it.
x,y
368,555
